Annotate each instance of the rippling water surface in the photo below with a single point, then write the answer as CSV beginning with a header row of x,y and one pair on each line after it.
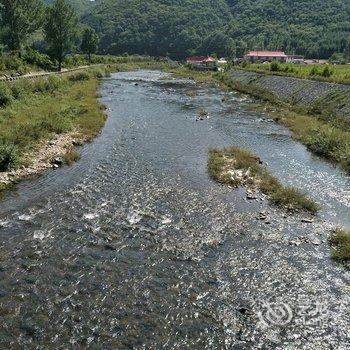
x,y
134,247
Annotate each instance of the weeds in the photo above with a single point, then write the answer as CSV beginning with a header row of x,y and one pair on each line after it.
x,y
238,167
190,93
5,94
70,157
79,76
330,140
9,157
340,240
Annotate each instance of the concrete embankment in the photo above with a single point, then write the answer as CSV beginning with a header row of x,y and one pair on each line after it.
x,y
314,96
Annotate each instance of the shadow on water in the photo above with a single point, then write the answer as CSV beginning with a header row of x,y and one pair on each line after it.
x,y
135,247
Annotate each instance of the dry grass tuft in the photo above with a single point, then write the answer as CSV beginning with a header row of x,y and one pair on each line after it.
x,y
340,240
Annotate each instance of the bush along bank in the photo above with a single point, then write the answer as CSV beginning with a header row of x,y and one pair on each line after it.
x,y
236,167
44,118
340,242
317,113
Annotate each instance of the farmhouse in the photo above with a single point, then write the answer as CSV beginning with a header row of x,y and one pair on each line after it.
x,y
202,62
262,56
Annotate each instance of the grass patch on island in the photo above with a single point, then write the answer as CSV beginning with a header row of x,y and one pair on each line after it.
x,y
340,240
237,167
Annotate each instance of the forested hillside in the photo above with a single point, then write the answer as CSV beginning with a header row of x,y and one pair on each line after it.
x,y
316,28
177,28
158,27
80,5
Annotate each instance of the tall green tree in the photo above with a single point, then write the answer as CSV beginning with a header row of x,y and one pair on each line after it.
x,y
60,30
89,44
19,19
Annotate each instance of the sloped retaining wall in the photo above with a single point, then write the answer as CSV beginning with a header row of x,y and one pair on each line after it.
x,y
314,96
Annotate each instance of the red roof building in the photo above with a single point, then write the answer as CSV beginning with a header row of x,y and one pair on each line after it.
x,y
266,56
200,59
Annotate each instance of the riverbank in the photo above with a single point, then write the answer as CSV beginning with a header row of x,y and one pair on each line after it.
x,y
46,118
317,113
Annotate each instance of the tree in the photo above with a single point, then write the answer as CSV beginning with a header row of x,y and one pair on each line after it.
x,y
19,19
90,42
60,29
347,50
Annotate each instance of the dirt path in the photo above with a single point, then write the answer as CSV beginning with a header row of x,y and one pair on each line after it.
x,y
33,75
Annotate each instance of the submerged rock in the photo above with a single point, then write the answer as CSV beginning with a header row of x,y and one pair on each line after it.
x,y
307,220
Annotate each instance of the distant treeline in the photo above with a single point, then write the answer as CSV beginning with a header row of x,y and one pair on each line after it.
x,y
177,28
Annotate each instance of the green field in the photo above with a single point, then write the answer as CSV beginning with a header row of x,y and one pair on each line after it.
x,y
323,72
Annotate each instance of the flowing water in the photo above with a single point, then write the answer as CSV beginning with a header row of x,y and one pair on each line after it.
x,y
135,247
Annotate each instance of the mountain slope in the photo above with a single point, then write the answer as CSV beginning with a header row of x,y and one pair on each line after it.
x,y
157,27
315,28
311,27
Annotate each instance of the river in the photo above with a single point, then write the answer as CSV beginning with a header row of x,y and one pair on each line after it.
x,y
135,247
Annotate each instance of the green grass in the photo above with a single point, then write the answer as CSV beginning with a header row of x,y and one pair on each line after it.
x,y
223,163
340,240
42,108
322,72
329,139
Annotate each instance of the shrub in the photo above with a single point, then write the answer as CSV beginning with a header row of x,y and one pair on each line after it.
x,y
340,240
74,61
79,76
54,82
37,59
326,72
5,94
48,84
9,157
97,73
18,89
70,157
323,142
314,71
274,67
9,62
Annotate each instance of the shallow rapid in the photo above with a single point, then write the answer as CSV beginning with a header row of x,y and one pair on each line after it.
x,y
135,247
